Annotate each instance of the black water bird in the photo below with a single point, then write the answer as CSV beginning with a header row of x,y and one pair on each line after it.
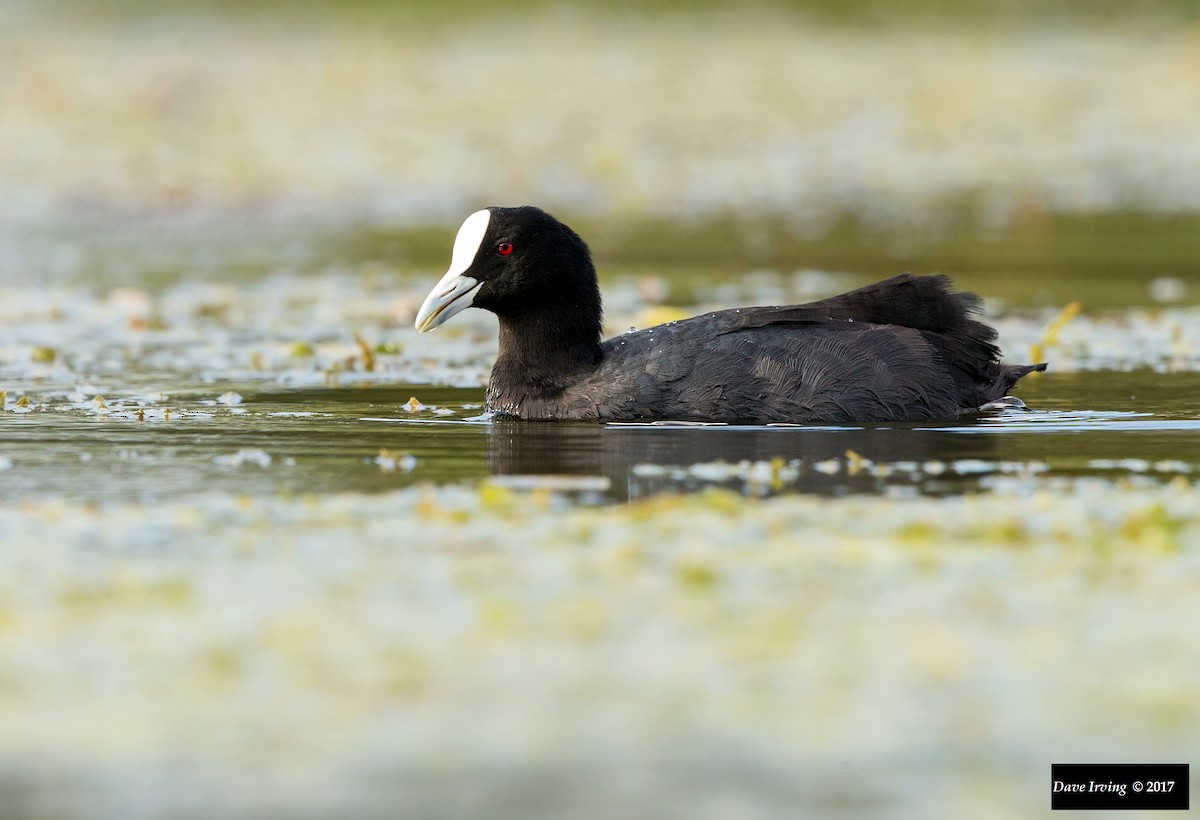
x,y
904,349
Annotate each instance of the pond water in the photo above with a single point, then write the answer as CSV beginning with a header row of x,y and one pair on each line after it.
x,y
238,361
267,440
240,487
243,574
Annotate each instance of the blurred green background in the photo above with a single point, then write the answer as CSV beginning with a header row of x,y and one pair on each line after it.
x,y
1035,150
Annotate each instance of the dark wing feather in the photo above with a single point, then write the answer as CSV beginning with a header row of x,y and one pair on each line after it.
x,y
903,349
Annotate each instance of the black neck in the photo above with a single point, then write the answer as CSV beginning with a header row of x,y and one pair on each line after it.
x,y
541,353
544,349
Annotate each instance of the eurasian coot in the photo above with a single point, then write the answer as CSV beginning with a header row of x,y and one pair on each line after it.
x,y
901,350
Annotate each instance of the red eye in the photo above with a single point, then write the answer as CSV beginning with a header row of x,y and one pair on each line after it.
x,y
504,248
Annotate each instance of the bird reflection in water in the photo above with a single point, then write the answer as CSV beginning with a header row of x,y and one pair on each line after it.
x,y
627,462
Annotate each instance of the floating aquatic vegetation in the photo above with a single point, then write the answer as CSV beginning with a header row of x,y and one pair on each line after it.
x,y
1049,340
1168,289
588,628
368,354
255,344
390,462
779,117
552,483
250,455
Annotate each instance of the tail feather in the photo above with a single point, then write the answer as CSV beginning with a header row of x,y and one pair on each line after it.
x,y
945,319
921,302
1010,374
929,305
979,383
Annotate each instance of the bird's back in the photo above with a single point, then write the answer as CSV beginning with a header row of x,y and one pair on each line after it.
x,y
903,349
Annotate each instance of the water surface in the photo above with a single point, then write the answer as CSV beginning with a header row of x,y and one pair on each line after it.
x,y
273,440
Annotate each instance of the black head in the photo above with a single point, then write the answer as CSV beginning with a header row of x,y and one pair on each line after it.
x,y
516,262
